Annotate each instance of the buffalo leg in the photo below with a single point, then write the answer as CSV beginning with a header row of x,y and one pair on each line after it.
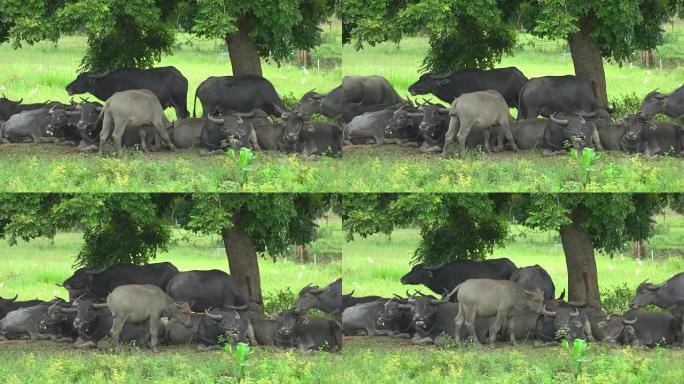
x,y
458,323
154,333
448,139
159,128
470,326
496,327
485,135
506,127
462,136
596,139
143,139
107,127
117,324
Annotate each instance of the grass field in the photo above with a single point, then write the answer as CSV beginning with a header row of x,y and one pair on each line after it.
x,y
374,266
395,168
32,269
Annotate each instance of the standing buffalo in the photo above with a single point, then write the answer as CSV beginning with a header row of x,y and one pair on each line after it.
x,y
206,289
133,110
328,299
483,110
224,94
167,84
487,297
143,304
669,104
535,277
548,94
443,278
663,295
329,104
507,81
100,283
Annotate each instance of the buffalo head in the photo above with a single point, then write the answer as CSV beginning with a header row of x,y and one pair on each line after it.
x,y
420,274
428,82
433,116
575,130
310,103
295,123
653,103
645,294
227,320
83,83
401,119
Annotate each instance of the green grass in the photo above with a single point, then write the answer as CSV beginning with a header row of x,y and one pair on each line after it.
x,y
395,168
375,264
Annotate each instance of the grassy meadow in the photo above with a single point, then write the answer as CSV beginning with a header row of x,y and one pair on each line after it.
x,y
375,264
397,168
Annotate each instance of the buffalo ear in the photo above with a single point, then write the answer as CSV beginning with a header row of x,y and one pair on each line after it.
x,y
443,82
602,324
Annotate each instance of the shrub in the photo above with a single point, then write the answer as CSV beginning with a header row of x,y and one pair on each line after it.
x,y
278,300
626,105
616,300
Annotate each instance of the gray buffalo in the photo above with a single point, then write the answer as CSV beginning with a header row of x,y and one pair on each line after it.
x,y
535,277
669,104
329,104
311,137
529,133
177,333
133,109
370,125
327,299
9,305
487,297
265,330
483,110
363,317
308,333
663,295
31,124
24,322
651,137
640,328
143,304
185,133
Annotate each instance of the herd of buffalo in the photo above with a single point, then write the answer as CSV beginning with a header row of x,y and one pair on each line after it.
x,y
246,111
203,307
495,300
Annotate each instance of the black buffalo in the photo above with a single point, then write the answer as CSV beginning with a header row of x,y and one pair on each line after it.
x,y
167,83
507,81
265,330
100,283
308,333
663,295
349,300
206,289
10,107
535,277
327,299
443,278
651,137
405,124
329,104
548,94
227,131
396,318
59,323
9,305
567,130
221,94
177,333
641,328
310,137
669,104
222,326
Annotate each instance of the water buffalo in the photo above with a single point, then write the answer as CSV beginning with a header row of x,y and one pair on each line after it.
x,y
220,326
433,318
134,109
369,90
206,289
186,133
167,84
370,125
63,123
396,318
28,124
640,328
565,130
483,110
405,124
443,278
308,333
177,333
10,107
487,297
349,300
529,133
535,277
94,324
143,303
669,104
57,323
100,283
269,134
433,127
227,131
652,137
663,295
329,104
548,94
221,94
9,305
328,299
265,330
677,311
24,322
507,81
566,320
363,317
312,137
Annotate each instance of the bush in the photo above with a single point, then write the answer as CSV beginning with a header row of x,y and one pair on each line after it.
x,y
616,300
290,100
626,105
278,300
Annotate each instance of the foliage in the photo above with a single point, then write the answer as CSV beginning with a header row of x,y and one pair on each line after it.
x,y
616,300
244,162
453,226
625,105
586,163
677,202
240,357
278,300
578,353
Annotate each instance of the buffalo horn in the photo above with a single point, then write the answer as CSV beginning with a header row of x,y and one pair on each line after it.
x,y
13,299
547,313
95,272
625,321
215,120
654,287
245,115
237,308
588,114
557,120
443,110
578,304
213,316
575,313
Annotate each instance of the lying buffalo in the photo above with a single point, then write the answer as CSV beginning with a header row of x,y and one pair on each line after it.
x,y
507,81
349,300
663,295
186,133
396,318
327,299
143,304
312,137
101,282
224,94
31,124
206,289
568,130
487,297
329,104
24,322
167,84
529,133
227,131
551,94
9,305
308,333
405,124
640,328
222,326
363,317
133,110
370,125
177,333
535,277
58,323
10,107
668,104
265,330
478,110
443,278
651,137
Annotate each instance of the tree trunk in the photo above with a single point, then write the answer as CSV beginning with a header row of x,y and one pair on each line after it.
x,y
302,253
242,260
639,248
587,59
647,58
580,261
244,56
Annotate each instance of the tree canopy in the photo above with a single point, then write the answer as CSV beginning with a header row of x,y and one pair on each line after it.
x,y
135,33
